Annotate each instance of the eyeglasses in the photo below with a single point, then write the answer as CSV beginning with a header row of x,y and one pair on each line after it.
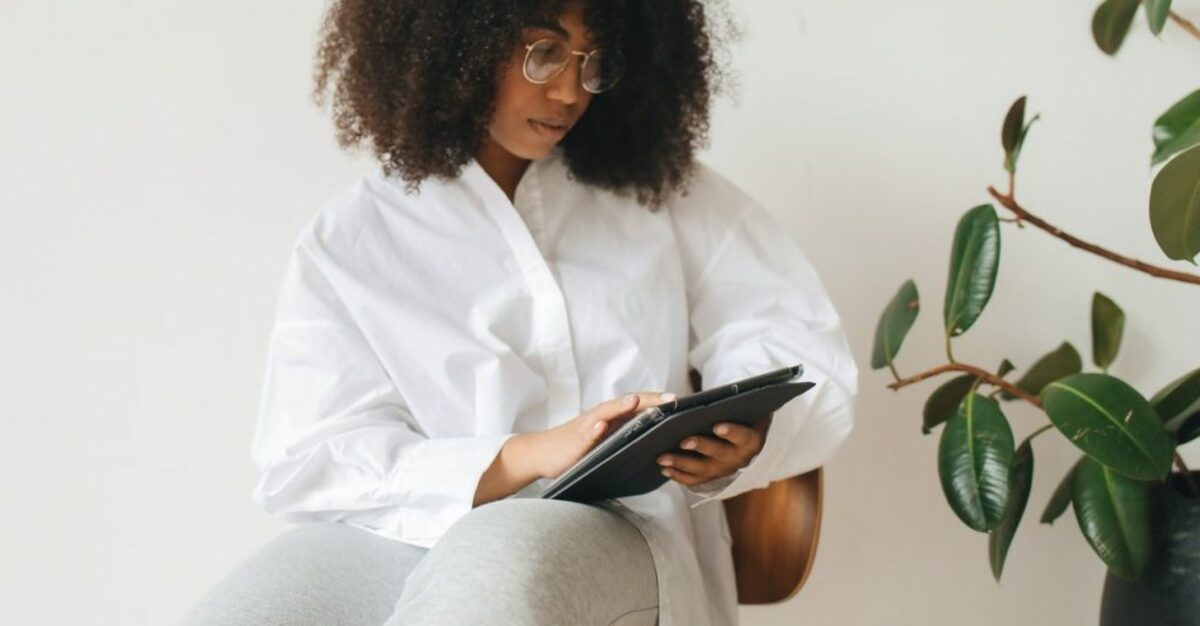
x,y
545,59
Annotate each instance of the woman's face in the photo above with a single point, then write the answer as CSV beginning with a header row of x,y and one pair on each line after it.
x,y
530,119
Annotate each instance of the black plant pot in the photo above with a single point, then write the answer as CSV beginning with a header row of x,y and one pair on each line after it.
x,y
1168,593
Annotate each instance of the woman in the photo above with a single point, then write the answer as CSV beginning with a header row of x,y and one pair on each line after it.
x,y
539,256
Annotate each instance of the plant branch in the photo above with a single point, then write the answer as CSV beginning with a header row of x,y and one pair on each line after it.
x,y
983,374
1184,24
1011,204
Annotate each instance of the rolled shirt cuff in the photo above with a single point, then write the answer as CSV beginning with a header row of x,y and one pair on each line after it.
x,y
438,483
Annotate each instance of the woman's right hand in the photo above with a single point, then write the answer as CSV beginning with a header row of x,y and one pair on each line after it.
x,y
555,450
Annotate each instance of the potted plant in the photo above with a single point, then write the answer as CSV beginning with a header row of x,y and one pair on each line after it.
x,y
1141,518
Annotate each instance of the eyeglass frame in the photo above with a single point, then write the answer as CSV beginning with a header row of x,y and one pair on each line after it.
x,y
587,57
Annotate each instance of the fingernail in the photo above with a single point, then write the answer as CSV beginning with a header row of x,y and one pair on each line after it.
x,y
666,461
666,473
722,429
688,444
629,399
667,397
598,426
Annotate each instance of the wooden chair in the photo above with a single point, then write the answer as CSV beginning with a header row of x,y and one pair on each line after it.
x,y
775,532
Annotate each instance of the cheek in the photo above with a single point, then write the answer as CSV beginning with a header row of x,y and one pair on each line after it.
x,y
513,95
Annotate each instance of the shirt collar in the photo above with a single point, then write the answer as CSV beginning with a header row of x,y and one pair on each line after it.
x,y
478,179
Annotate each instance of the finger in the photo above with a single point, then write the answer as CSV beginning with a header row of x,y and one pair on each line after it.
x,y
696,465
712,447
685,478
608,416
655,398
737,434
616,408
626,405
664,398
598,430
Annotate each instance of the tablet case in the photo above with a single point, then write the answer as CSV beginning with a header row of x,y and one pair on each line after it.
x,y
633,469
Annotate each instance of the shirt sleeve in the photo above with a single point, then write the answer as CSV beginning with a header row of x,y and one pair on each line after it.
x,y
334,440
757,304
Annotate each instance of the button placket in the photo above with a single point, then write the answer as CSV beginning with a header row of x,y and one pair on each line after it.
x,y
551,323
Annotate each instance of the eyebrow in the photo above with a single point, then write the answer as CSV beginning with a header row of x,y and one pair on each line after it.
x,y
551,26
554,27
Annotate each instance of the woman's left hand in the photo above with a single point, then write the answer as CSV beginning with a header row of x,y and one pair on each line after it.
x,y
715,457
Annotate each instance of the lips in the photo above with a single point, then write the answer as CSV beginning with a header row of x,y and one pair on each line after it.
x,y
553,122
554,128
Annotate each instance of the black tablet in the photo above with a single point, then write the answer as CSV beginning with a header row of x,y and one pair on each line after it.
x,y
625,463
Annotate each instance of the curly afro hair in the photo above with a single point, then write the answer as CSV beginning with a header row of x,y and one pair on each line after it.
x,y
416,80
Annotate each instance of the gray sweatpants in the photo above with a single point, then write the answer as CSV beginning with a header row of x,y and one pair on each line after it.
x,y
518,561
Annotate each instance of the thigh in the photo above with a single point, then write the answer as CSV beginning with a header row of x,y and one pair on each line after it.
x,y
312,574
531,562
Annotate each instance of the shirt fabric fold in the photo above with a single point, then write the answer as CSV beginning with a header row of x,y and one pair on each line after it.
x,y
416,332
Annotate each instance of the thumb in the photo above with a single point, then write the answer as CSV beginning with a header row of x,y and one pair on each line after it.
x,y
624,406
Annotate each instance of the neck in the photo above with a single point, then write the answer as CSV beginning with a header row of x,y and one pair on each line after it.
x,y
502,166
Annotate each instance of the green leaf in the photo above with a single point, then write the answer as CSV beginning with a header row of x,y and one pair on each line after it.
x,y
1156,14
1006,366
1013,121
1012,134
943,402
974,261
1020,480
1177,129
1108,323
1063,361
974,456
1111,422
894,324
1111,23
1061,498
1021,141
1179,396
1175,206
1113,512
1187,428
1177,402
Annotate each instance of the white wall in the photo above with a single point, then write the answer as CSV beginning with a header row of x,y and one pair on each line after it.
x,y
157,158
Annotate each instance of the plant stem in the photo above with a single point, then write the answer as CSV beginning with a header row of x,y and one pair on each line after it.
x,y
892,367
1010,203
1184,24
970,369
1040,431
1187,474
949,353
1012,189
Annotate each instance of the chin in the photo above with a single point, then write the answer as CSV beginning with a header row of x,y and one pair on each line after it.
x,y
537,150
530,147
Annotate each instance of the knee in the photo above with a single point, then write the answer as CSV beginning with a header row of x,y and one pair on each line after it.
x,y
535,557
525,529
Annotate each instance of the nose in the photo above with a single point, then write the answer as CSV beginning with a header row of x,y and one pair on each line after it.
x,y
566,86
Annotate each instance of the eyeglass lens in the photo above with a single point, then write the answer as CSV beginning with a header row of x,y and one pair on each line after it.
x,y
548,57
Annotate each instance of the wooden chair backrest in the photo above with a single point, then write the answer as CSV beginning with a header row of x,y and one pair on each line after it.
x,y
775,532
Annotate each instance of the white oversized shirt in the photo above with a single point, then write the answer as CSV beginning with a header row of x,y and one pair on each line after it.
x,y
416,332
